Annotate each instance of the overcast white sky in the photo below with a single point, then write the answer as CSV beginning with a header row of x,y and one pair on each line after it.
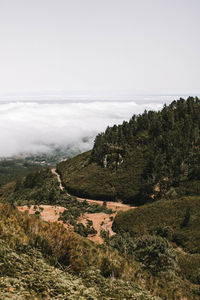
x,y
99,47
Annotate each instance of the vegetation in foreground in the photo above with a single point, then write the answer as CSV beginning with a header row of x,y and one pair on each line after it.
x,y
162,227
148,258
177,219
44,261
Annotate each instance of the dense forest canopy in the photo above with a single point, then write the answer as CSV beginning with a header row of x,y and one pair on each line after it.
x,y
172,137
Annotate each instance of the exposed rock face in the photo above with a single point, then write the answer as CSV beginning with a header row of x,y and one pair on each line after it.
x,y
112,160
105,162
113,157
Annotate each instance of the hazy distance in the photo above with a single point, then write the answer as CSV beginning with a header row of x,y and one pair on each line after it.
x,y
70,68
42,126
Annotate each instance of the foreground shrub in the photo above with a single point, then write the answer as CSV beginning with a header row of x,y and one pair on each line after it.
x,y
156,254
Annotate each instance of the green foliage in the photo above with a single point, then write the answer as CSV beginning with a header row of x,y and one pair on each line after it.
x,y
110,268
189,266
177,221
187,218
123,242
14,169
156,255
42,187
36,257
165,218
84,230
166,267
155,149
36,188
166,232
27,275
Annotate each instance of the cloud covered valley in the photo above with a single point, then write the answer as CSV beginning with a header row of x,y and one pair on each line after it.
x,y
40,127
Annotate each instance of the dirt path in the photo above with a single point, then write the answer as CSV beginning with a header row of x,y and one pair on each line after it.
x,y
116,206
48,213
101,221
58,177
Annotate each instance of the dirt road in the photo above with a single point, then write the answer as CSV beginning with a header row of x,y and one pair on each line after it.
x,y
101,221
116,206
58,177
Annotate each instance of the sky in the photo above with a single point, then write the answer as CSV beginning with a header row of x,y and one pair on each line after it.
x,y
100,48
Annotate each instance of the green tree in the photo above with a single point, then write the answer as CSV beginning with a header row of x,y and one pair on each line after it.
x,y
156,255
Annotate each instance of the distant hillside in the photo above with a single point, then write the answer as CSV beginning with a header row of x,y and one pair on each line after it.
x,y
15,167
154,155
12,169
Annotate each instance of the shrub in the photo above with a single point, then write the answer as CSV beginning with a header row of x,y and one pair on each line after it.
x,y
110,268
155,254
180,238
165,232
123,242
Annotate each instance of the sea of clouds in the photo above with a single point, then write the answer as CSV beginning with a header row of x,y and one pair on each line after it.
x,y
38,127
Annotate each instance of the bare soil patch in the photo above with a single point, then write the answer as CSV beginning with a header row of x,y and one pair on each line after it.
x,y
48,213
101,221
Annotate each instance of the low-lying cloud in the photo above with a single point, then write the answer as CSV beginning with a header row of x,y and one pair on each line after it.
x,y
35,127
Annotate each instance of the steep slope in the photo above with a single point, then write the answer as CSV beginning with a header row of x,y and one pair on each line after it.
x,y
156,154
180,218
177,221
42,260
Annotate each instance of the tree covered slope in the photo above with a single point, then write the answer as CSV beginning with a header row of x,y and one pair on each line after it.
x,y
180,218
177,221
156,154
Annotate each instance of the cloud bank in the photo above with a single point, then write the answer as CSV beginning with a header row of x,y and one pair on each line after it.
x,y
35,127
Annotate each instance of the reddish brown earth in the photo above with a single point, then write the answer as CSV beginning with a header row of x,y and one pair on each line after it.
x,y
100,220
115,206
48,213
58,177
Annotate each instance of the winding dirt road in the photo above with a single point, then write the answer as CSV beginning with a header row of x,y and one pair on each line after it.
x,y
116,206
101,221
58,177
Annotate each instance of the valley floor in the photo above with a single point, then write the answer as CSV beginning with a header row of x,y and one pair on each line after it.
x,y
101,221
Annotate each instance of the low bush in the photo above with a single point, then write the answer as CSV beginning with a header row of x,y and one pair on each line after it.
x,y
156,255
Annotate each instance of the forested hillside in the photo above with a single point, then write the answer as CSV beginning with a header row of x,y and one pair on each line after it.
x,y
154,155
156,249
12,169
